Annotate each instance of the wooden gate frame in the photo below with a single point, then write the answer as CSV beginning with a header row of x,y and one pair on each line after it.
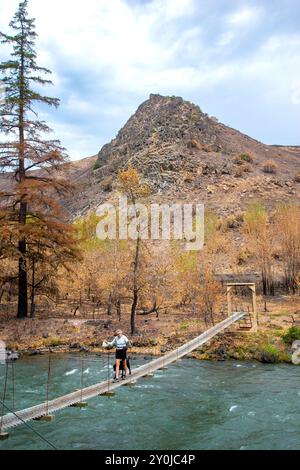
x,y
252,287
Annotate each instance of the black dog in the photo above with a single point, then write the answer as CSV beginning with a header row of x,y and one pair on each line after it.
x,y
122,368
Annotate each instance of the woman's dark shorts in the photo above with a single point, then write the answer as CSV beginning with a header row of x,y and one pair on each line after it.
x,y
121,354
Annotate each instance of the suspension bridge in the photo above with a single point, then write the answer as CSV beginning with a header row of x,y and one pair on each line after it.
x,y
44,411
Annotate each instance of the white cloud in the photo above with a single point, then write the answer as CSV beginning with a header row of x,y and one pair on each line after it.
x,y
245,16
107,36
173,9
118,51
240,22
169,81
226,38
117,44
296,92
78,143
77,104
128,48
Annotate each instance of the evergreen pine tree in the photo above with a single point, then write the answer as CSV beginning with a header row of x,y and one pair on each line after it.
x,y
30,210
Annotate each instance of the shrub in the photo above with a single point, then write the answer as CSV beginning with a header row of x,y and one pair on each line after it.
x,y
106,184
195,118
244,168
212,224
269,354
291,335
97,165
277,333
54,341
243,256
184,326
245,157
270,167
237,161
233,221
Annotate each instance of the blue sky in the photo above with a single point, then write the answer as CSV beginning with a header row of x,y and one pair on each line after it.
x,y
238,59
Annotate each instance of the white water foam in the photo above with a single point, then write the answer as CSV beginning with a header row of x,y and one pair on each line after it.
x,y
232,408
71,372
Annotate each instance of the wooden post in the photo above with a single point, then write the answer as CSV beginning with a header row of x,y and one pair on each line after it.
x,y
254,306
229,309
108,394
80,404
252,287
47,418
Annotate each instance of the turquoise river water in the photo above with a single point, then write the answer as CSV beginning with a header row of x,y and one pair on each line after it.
x,y
192,405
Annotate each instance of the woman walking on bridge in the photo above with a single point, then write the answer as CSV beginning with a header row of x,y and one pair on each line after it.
x,y
121,343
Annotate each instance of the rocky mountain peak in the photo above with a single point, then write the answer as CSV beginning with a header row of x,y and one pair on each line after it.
x,y
159,137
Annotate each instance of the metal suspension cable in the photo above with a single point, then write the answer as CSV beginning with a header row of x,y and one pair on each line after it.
x,y
13,384
81,379
29,426
108,371
4,395
48,384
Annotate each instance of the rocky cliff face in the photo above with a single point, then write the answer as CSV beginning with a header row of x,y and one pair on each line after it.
x,y
161,120
159,140
183,152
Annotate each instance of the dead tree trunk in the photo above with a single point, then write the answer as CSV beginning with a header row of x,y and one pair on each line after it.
x,y
135,286
32,297
118,309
